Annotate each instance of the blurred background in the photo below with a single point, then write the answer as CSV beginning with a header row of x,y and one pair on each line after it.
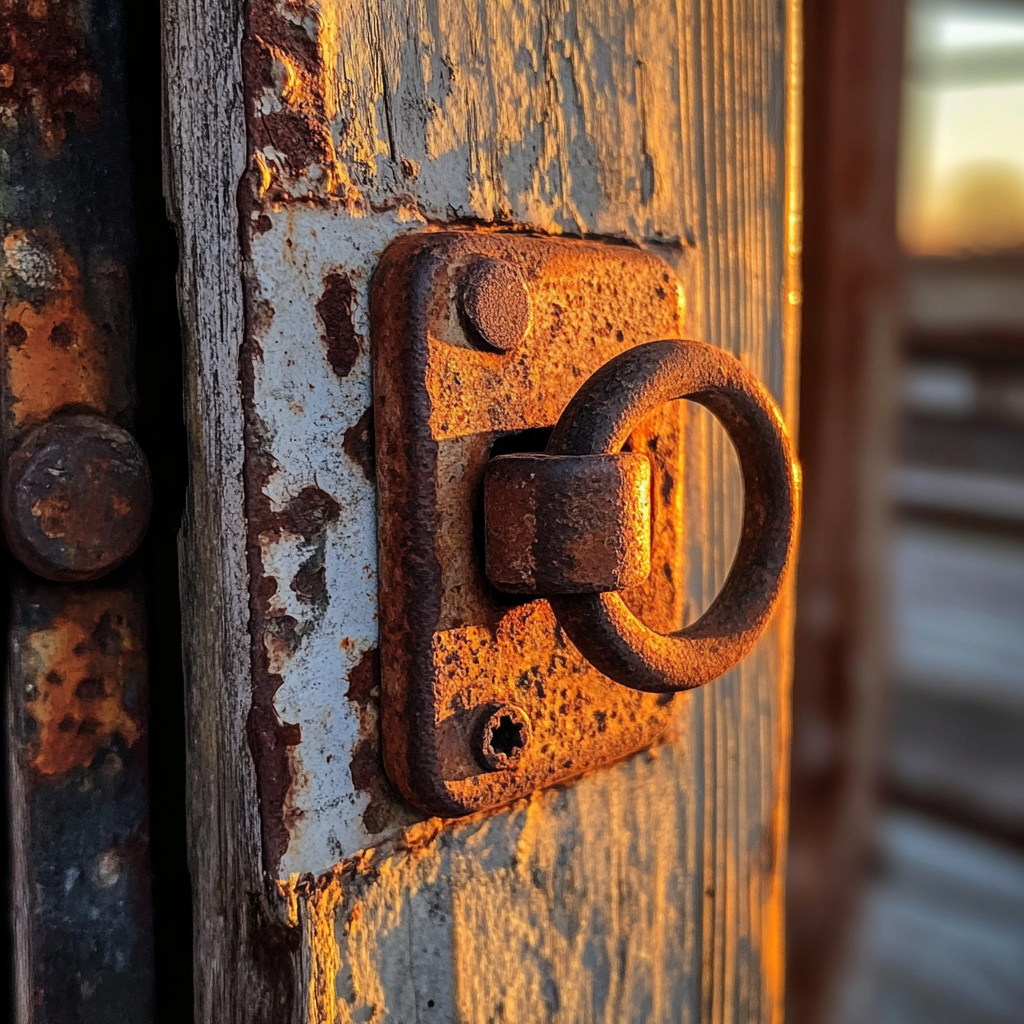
x,y
906,879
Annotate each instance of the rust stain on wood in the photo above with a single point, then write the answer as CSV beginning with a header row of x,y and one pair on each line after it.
x,y
291,126
77,670
290,90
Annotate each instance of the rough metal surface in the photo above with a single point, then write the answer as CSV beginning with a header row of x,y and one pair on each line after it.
x,y
77,716
599,420
76,498
76,702
495,302
569,524
450,647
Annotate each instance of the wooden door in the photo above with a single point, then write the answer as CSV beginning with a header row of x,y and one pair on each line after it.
x,y
301,139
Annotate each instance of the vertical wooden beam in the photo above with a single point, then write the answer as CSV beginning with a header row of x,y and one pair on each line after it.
x,y
851,332
244,958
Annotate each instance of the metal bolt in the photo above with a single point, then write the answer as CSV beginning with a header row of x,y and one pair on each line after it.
x,y
503,737
495,304
76,498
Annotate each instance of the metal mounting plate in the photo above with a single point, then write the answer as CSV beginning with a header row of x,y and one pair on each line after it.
x,y
454,650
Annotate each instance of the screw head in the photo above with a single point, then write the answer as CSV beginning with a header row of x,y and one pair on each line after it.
x,y
76,498
495,304
503,737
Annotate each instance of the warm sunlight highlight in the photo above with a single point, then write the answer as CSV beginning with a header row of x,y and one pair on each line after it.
x,y
962,164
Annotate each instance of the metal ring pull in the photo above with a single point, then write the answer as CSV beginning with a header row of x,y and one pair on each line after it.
x,y
598,421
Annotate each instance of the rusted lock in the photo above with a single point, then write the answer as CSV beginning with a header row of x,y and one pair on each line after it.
x,y
510,372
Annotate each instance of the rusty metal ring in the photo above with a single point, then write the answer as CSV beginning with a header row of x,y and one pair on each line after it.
x,y
599,420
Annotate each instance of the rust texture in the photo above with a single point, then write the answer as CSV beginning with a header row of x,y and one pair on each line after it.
x,y
76,498
82,670
335,312
367,763
293,141
358,444
76,502
495,303
280,59
599,420
277,636
453,649
65,338
46,72
293,137
79,658
569,524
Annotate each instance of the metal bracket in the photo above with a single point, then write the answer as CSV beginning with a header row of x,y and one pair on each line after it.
x,y
480,341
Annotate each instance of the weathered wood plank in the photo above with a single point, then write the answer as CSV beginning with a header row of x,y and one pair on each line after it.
x,y
648,891
242,969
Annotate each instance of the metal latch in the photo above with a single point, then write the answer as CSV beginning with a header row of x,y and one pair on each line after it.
x,y
529,461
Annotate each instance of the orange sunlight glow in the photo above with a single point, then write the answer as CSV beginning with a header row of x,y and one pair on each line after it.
x,y
962,161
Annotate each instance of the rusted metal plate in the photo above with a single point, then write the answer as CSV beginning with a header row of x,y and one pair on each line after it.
x,y
454,655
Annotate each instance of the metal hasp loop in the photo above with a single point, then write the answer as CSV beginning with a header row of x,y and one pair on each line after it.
x,y
598,421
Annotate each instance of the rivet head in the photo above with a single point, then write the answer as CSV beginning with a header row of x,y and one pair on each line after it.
x,y
76,498
495,304
503,737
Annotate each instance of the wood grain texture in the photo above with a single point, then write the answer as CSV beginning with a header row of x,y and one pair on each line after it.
x,y
647,891
241,971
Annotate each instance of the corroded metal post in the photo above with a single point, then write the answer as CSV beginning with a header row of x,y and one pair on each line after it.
x,y
76,715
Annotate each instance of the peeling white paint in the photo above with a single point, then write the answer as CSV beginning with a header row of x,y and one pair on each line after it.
x,y
305,410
